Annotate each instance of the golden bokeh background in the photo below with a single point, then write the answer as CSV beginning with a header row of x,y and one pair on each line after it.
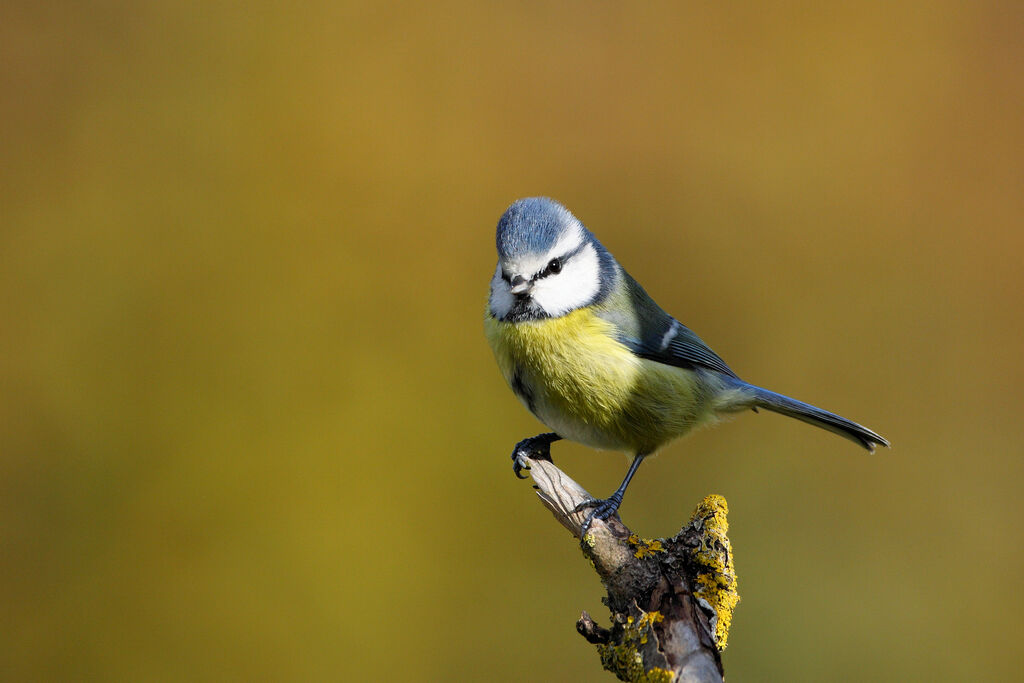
x,y
249,425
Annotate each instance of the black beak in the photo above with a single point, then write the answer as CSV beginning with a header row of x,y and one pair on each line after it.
x,y
520,286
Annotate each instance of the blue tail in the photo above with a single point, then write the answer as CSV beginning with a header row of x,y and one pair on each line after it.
x,y
778,403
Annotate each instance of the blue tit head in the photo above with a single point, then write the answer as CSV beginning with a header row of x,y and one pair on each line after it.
x,y
548,263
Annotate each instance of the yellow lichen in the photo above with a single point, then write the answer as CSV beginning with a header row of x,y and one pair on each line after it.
x,y
716,581
644,547
658,675
652,618
624,658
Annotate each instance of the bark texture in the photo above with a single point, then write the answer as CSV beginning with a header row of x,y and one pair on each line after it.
x,y
671,600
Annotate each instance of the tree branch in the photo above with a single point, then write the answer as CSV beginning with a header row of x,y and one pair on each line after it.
x,y
671,600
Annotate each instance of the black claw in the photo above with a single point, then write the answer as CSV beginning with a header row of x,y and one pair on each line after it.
x,y
536,448
518,467
603,509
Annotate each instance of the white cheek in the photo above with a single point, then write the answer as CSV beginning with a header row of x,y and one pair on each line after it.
x,y
575,286
501,298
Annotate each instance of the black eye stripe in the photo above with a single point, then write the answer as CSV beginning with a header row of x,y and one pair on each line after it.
x,y
544,273
558,263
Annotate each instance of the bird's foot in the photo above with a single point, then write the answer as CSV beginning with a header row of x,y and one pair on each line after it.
x,y
536,448
603,509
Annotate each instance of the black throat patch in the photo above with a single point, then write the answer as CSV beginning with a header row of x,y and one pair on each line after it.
x,y
525,308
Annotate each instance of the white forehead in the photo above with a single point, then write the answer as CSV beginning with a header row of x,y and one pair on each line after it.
x,y
528,264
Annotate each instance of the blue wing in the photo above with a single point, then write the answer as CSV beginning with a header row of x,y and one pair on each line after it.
x,y
685,350
657,336
649,332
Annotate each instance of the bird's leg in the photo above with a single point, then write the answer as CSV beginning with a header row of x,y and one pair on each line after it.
x,y
603,509
536,447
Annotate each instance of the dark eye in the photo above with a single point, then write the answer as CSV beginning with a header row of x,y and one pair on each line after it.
x,y
555,266
505,277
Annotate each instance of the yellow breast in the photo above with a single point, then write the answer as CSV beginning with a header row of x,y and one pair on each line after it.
x,y
587,386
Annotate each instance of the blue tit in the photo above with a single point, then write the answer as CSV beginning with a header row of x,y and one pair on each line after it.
x,y
594,358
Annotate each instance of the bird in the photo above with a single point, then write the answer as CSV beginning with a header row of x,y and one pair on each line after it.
x,y
594,358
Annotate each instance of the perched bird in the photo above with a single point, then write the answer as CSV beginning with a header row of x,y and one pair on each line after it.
x,y
594,358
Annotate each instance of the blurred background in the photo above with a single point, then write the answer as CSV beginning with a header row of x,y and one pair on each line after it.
x,y
249,425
